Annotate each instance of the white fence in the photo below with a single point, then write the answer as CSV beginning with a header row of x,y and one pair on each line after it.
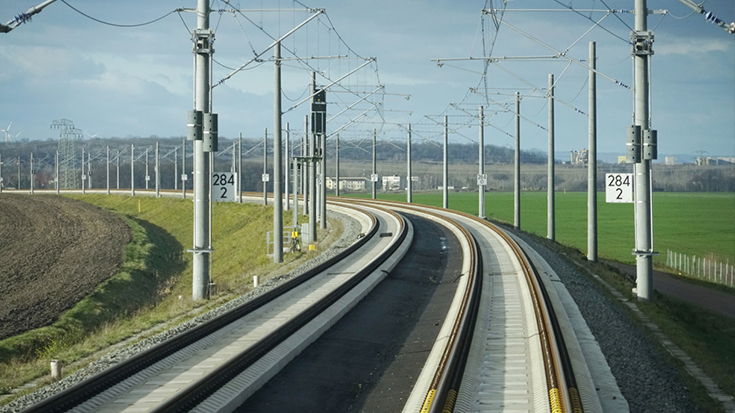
x,y
705,268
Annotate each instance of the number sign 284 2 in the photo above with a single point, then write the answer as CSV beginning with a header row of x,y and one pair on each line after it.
x,y
223,186
619,188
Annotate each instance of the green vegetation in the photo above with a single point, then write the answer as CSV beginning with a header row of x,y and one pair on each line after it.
x,y
146,266
153,289
708,337
696,223
692,223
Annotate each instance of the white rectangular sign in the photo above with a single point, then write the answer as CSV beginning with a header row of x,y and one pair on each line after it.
x,y
619,188
481,179
373,177
265,177
223,186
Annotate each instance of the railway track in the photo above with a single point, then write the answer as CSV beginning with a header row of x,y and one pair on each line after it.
x,y
492,382
501,306
193,371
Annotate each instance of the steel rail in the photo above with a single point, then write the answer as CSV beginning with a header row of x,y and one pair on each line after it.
x,y
86,389
563,393
445,382
561,382
190,397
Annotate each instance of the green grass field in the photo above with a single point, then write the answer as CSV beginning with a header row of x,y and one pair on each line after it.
x,y
691,223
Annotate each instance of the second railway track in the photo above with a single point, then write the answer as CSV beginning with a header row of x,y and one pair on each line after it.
x,y
186,373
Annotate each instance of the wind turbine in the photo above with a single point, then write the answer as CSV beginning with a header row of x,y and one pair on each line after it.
x,y
8,136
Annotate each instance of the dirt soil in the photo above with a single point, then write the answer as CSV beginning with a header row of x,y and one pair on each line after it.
x,y
54,251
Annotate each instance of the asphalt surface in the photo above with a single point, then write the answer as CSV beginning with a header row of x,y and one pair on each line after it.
x,y
711,299
369,361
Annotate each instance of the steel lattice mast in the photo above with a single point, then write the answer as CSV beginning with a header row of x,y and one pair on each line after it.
x,y
69,173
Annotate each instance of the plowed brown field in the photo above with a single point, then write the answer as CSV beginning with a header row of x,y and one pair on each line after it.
x,y
54,251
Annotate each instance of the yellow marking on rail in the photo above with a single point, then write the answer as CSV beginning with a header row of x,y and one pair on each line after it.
x,y
428,401
555,401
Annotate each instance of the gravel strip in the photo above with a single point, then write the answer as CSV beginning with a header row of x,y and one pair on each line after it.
x,y
350,232
645,376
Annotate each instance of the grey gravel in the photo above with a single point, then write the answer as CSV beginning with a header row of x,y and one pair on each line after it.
x,y
645,376
350,232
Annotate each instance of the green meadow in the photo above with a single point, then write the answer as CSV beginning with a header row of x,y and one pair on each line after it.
x,y
700,224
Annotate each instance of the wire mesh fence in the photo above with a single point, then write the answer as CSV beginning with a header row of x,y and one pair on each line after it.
x,y
707,268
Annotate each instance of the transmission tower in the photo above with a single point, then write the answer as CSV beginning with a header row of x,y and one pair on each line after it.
x,y
69,172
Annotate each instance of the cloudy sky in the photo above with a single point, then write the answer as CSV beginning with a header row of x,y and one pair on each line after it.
x,y
137,81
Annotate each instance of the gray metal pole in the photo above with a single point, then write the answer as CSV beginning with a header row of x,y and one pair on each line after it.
x,y
277,163
108,169
147,173
31,173
287,163
312,188
84,176
58,187
176,168
445,167
132,169
409,183
323,183
158,176
201,178
89,170
239,169
550,202
117,164
18,186
517,168
312,173
481,166
305,167
336,165
642,170
233,166
265,167
183,169
1,175
375,167
210,209
592,160
295,172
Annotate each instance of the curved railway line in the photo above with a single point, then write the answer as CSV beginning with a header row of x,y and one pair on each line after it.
x,y
502,345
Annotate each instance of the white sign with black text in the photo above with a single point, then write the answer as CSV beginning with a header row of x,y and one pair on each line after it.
x,y
223,186
619,188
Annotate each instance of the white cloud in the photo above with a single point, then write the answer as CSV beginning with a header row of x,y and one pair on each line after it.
x,y
690,47
48,62
173,77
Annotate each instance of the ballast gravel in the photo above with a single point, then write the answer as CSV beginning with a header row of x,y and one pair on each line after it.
x,y
351,230
646,377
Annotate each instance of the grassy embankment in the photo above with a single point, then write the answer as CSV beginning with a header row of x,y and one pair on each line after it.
x,y
153,288
693,223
